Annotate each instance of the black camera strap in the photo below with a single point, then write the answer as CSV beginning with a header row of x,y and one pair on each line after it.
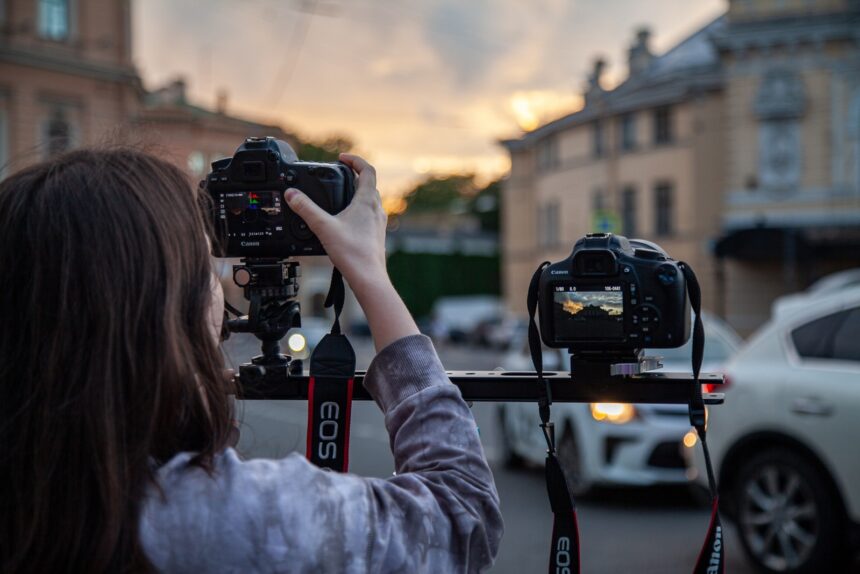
x,y
332,375
710,559
565,550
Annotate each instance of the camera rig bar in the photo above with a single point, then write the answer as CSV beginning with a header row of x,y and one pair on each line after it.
x,y
518,386
270,285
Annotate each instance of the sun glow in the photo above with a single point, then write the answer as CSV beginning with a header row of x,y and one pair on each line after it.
x,y
534,107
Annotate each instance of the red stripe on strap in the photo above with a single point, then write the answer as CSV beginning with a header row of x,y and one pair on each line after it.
x,y
346,425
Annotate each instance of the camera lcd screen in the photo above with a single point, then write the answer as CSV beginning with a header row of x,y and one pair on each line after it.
x,y
595,313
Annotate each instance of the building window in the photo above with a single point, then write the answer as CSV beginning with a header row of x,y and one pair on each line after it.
x,y
54,19
628,211
627,132
549,223
663,125
598,146
58,131
779,154
547,154
663,209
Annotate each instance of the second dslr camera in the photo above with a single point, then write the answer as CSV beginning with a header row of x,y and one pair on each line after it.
x,y
250,215
614,295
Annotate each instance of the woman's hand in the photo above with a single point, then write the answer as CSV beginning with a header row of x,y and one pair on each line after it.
x,y
354,238
355,242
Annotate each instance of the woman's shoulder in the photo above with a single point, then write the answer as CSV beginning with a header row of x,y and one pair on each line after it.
x,y
256,481
258,505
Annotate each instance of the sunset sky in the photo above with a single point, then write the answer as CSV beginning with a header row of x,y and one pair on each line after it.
x,y
575,302
420,85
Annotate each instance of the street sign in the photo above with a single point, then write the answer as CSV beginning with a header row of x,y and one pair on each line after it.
x,y
604,221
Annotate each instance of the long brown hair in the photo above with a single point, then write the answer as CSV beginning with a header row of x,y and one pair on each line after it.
x,y
107,363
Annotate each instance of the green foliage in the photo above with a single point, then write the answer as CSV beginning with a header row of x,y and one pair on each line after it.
x,y
326,150
440,193
485,206
457,194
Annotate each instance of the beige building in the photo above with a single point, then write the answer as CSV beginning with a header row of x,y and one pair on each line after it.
x,y
705,150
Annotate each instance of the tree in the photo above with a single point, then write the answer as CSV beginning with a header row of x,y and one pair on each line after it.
x,y
457,194
440,193
484,206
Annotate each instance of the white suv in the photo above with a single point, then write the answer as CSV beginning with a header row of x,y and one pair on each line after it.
x,y
612,443
783,444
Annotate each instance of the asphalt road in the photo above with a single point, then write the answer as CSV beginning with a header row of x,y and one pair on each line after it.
x,y
655,530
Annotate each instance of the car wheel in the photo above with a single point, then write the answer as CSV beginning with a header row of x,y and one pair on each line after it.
x,y
787,514
509,457
569,456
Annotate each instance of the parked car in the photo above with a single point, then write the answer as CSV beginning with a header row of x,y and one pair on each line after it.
x,y
612,443
455,318
508,333
783,443
824,286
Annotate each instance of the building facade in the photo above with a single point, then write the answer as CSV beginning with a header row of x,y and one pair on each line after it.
x,y
67,79
66,76
792,192
706,149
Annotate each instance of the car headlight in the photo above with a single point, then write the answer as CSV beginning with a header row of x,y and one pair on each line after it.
x,y
616,413
691,438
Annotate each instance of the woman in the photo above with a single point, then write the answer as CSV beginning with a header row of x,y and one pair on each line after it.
x,y
114,417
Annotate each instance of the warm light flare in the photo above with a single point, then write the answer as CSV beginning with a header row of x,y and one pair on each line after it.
x,y
690,439
617,413
393,205
526,117
297,342
534,107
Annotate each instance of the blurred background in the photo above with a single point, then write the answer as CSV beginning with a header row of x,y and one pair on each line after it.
x,y
726,131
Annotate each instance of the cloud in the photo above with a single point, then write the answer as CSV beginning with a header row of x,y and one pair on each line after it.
x,y
464,35
415,83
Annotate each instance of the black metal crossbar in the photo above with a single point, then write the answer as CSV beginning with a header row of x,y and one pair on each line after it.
x,y
514,386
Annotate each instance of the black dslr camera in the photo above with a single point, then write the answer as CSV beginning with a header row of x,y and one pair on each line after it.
x,y
250,215
613,296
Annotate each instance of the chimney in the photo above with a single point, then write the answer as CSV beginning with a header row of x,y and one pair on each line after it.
x,y
174,92
594,89
639,55
221,99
